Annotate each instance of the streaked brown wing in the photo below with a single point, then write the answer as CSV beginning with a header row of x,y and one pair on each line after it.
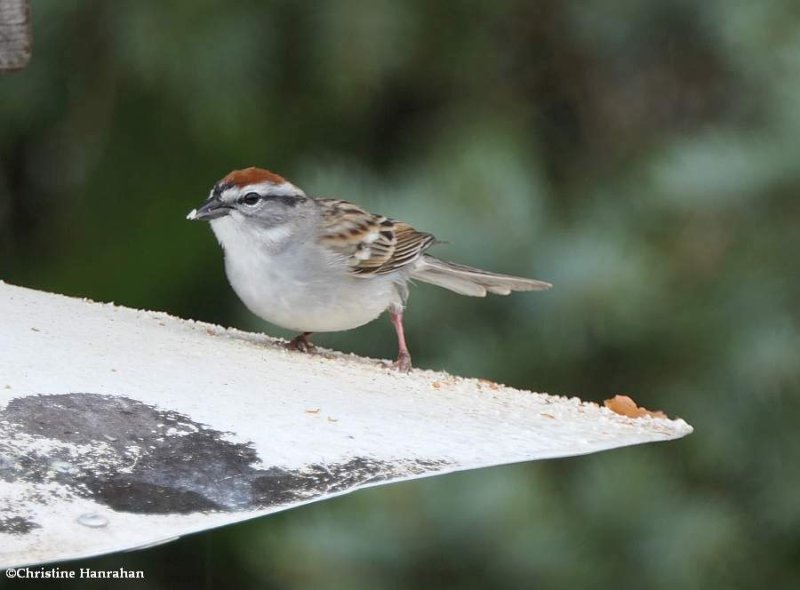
x,y
373,243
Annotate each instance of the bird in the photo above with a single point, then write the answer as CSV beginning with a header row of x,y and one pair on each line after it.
x,y
312,264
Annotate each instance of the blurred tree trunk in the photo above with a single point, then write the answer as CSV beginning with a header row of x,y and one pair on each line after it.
x,y
15,35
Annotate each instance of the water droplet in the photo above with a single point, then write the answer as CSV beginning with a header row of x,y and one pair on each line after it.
x,y
93,520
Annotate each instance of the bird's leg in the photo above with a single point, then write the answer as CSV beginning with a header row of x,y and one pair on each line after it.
x,y
301,343
403,362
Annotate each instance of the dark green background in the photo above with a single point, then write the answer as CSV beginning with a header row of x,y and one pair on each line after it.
x,y
643,156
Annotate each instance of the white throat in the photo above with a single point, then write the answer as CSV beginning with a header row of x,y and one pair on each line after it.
x,y
240,238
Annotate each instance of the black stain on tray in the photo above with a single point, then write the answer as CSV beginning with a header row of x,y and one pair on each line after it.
x,y
17,525
137,458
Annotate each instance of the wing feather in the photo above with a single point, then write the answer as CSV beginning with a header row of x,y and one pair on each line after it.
x,y
373,244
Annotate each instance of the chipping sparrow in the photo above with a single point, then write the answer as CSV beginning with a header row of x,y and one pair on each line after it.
x,y
324,265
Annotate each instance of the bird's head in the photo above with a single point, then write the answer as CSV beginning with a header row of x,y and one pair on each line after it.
x,y
252,194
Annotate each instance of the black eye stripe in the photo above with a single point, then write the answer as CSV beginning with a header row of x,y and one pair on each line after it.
x,y
253,198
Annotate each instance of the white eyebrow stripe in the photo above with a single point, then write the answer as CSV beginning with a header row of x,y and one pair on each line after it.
x,y
229,195
286,189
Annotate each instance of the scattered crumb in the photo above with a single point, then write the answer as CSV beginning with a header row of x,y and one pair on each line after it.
x,y
548,416
624,405
36,329
312,411
113,370
332,419
161,324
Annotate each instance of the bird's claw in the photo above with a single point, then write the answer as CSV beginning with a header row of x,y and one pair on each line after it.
x,y
403,363
300,343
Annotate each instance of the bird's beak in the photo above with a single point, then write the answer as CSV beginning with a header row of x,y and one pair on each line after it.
x,y
213,208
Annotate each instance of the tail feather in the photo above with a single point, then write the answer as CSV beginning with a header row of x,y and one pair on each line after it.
x,y
473,282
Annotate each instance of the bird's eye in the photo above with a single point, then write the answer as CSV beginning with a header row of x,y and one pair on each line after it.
x,y
251,199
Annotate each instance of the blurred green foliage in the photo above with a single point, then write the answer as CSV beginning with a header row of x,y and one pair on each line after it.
x,y
640,155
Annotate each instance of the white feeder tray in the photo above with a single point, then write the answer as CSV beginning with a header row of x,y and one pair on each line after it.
x,y
122,428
